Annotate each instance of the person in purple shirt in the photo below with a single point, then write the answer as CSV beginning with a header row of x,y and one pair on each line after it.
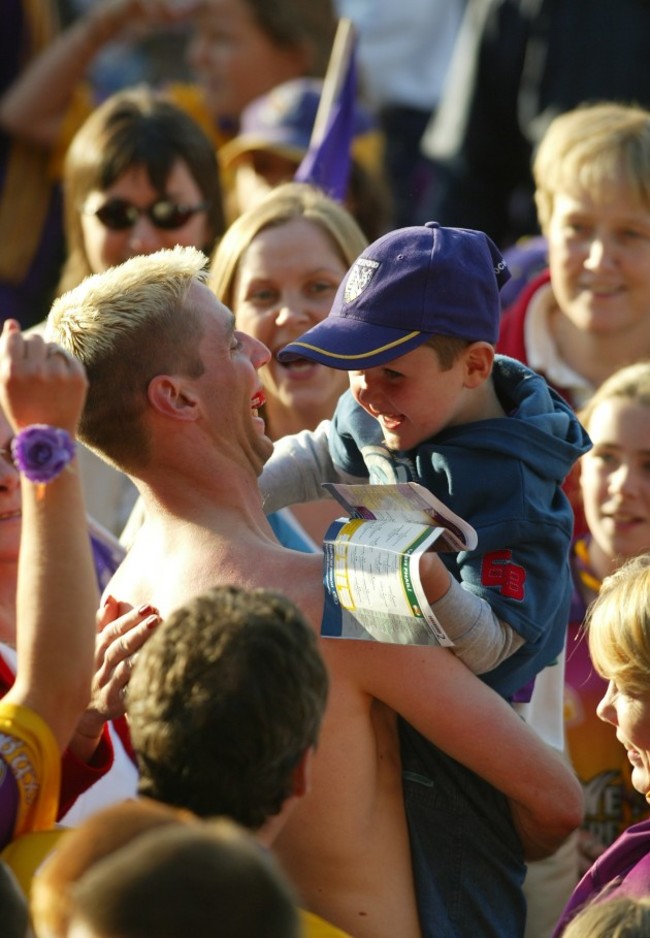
x,y
619,644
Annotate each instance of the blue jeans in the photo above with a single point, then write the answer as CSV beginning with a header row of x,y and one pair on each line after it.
x,y
467,857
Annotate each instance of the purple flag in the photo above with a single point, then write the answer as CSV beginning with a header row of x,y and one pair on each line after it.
x,y
328,160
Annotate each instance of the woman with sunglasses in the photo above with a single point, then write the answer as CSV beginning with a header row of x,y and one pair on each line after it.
x,y
140,175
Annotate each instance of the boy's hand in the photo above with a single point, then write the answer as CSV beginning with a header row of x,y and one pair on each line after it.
x,y
435,577
39,381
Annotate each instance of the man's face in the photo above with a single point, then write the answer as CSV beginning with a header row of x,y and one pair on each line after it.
x,y
230,388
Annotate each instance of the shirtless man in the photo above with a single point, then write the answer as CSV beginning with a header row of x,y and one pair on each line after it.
x,y
173,399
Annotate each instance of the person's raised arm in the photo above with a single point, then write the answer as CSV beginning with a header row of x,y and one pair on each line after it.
x,y
34,106
57,593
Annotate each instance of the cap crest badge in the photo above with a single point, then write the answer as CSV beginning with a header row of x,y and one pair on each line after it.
x,y
361,273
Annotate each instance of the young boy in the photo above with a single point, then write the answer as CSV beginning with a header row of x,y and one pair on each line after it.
x,y
414,322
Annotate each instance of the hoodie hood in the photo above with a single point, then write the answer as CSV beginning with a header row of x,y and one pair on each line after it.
x,y
543,430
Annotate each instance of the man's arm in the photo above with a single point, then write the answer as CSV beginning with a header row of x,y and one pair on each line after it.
x,y
434,692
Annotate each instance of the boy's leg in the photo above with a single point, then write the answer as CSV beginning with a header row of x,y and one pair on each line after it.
x,y
467,858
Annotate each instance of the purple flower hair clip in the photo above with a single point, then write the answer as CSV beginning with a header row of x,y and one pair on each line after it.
x,y
42,452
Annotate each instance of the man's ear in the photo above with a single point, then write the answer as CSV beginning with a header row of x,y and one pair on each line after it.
x,y
171,396
479,358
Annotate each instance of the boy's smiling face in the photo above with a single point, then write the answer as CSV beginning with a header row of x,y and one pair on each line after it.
x,y
412,398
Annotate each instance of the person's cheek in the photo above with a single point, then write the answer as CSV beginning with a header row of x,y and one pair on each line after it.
x,y
113,249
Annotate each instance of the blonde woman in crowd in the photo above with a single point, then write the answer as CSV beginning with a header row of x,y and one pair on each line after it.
x,y
278,267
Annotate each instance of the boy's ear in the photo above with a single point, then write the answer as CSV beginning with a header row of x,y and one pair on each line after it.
x,y
170,396
479,358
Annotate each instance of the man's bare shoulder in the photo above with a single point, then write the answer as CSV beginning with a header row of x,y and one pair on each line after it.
x,y
170,570
169,574
298,575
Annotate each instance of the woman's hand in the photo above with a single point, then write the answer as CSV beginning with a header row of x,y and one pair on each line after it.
x,y
121,635
40,382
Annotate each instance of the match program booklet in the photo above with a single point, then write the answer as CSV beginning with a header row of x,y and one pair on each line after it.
x,y
371,574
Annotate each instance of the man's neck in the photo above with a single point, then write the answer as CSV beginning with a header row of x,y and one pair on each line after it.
x,y
267,833
200,481
224,503
482,403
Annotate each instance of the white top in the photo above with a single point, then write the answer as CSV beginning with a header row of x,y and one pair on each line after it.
x,y
542,352
404,47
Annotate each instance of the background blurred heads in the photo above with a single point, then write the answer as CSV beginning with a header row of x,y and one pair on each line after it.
x,y
186,880
243,48
615,474
274,134
592,176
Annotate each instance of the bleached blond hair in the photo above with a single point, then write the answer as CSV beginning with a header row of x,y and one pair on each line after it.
x,y
127,325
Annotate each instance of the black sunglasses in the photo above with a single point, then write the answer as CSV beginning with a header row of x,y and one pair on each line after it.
x,y
118,214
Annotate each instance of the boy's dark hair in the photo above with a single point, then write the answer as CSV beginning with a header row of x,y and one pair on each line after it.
x,y
447,348
224,701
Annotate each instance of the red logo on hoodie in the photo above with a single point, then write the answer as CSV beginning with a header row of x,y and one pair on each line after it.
x,y
497,571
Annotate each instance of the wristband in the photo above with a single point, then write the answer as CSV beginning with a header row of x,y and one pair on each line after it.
x,y
42,452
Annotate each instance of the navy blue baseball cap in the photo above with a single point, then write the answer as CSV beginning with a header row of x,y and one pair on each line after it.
x,y
406,287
